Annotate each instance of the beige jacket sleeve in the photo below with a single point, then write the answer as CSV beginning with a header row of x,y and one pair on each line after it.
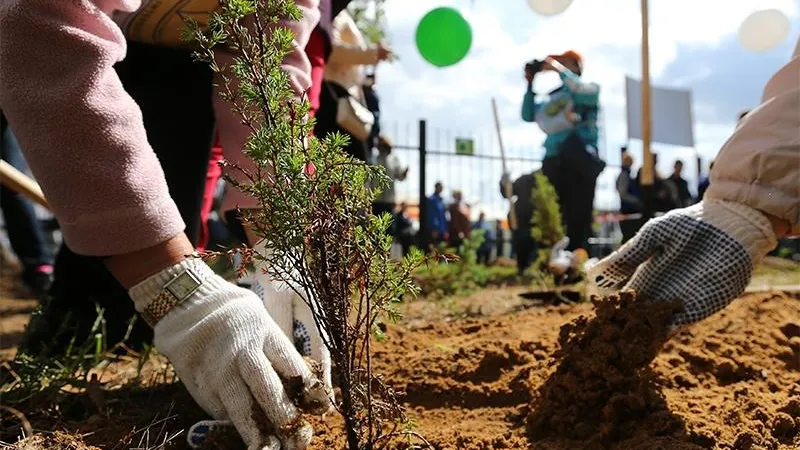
x,y
759,165
349,46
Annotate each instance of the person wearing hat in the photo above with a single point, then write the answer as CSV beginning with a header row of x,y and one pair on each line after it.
x,y
568,115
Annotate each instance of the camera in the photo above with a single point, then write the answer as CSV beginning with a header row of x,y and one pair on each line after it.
x,y
534,66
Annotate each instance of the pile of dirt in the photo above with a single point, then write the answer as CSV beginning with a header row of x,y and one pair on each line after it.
x,y
602,388
736,380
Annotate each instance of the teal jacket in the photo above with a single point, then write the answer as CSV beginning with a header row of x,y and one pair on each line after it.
x,y
586,100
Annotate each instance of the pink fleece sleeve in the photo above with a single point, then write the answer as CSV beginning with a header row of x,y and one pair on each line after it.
x,y
233,134
82,134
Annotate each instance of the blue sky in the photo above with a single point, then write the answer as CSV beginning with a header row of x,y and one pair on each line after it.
x,y
694,45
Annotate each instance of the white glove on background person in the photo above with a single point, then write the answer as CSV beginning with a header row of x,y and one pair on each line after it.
x,y
702,255
560,258
292,315
232,357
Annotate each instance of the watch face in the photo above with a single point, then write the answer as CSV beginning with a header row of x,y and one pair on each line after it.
x,y
183,285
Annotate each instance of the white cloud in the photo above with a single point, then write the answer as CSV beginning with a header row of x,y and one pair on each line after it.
x,y
606,33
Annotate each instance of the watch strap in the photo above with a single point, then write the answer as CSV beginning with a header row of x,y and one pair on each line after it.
x,y
159,307
162,292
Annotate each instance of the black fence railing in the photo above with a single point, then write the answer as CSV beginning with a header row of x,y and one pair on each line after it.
x,y
433,155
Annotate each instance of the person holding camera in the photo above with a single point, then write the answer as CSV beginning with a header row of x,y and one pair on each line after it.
x,y
568,115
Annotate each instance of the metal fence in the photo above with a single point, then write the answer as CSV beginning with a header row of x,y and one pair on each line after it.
x,y
432,156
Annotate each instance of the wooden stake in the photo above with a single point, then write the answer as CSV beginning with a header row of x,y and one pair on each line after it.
x,y
512,216
648,175
21,184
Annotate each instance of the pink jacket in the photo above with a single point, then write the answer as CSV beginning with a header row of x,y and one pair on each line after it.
x,y
82,133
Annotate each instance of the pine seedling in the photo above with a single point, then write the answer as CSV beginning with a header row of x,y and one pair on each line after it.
x,y
313,212
547,226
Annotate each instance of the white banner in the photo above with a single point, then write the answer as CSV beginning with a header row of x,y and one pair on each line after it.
x,y
671,114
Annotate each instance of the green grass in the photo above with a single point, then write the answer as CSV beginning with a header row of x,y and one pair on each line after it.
x,y
444,280
776,272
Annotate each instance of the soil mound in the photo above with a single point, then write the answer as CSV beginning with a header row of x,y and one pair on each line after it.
x,y
602,387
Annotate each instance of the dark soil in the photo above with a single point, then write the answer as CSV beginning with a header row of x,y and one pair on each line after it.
x,y
603,387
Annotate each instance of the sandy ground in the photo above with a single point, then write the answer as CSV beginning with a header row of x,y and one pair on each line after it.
x,y
477,369
732,382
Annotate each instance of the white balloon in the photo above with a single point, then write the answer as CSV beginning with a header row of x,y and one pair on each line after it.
x,y
549,7
764,30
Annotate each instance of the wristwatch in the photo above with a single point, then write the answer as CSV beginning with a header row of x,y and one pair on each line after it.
x,y
173,293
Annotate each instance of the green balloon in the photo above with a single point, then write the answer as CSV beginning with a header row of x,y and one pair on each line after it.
x,y
444,37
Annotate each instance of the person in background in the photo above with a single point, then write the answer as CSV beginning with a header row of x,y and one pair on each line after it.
x,y
403,228
319,48
500,239
663,200
569,118
485,249
373,104
459,220
344,76
385,203
213,176
522,243
318,51
630,201
702,187
678,186
437,216
24,229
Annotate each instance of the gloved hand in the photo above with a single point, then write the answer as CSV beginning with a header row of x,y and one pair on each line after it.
x,y
293,316
560,258
702,255
234,359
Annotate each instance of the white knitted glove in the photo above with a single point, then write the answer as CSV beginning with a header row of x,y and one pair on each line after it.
x,y
234,359
293,316
702,255
560,258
